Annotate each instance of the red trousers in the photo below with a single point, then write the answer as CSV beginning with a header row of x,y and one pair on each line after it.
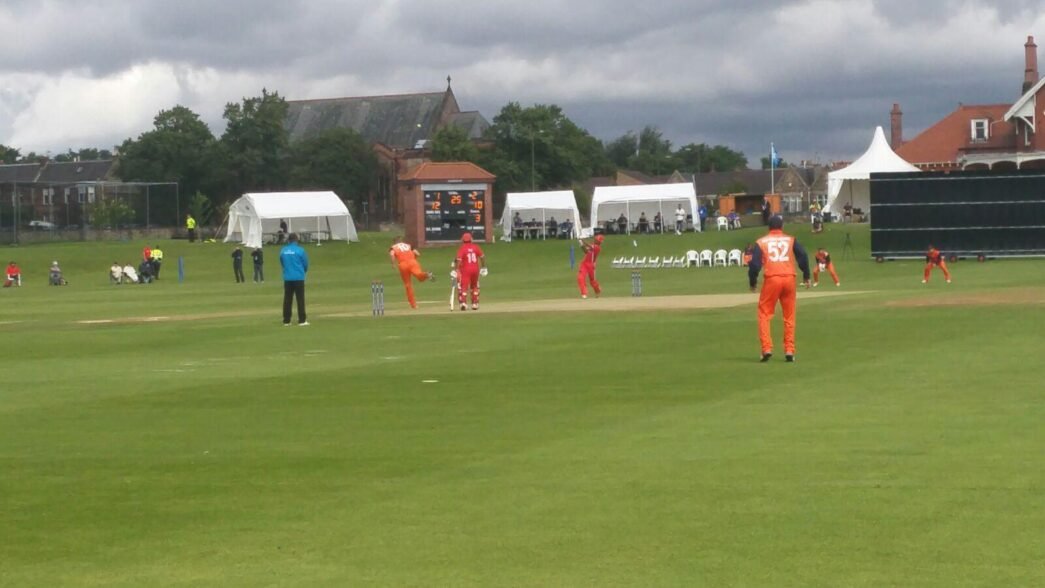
x,y
405,272
586,274
784,290
468,281
943,267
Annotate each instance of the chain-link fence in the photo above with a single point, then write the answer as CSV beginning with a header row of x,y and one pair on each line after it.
x,y
81,211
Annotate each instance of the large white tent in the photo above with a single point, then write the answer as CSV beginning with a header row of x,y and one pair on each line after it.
x,y
852,184
541,206
609,202
319,215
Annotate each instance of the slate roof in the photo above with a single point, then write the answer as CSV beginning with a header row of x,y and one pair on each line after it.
x,y
399,121
19,172
76,171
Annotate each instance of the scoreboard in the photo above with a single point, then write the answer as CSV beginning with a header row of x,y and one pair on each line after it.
x,y
451,213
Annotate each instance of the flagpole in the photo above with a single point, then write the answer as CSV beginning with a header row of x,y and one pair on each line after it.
x,y
772,169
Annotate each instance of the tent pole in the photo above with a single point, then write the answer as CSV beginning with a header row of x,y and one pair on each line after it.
x,y
544,224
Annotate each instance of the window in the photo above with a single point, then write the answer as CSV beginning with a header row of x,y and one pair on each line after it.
x,y
979,129
48,196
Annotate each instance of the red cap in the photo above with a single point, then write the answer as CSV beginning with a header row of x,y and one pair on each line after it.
x,y
466,238
599,238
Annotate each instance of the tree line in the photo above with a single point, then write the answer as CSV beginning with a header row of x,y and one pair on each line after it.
x,y
536,147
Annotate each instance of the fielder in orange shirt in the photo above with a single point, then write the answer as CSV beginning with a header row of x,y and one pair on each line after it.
x,y
823,262
933,257
777,253
404,258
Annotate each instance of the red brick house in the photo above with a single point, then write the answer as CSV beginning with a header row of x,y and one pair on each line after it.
x,y
982,136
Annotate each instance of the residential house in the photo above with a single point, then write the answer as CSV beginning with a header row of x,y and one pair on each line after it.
x,y
982,136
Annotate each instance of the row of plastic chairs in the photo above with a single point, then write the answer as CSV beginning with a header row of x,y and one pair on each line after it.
x,y
692,258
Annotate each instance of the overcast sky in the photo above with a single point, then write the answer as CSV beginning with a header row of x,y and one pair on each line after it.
x,y
814,77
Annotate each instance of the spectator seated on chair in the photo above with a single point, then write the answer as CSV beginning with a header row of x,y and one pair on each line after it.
x,y
566,229
643,223
622,224
734,219
54,275
847,212
658,222
115,273
553,228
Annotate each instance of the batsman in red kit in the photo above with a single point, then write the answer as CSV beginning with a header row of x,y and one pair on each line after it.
x,y
587,271
933,257
776,254
823,262
470,263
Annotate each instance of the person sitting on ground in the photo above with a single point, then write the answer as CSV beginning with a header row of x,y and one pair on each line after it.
x,y
115,273
643,223
129,275
622,224
145,275
54,275
14,275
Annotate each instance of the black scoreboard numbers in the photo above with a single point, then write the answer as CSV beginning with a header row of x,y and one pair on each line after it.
x,y
450,214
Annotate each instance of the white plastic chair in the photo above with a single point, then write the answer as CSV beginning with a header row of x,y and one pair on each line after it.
x,y
722,223
680,261
720,257
692,258
705,257
666,261
628,262
617,261
640,262
734,257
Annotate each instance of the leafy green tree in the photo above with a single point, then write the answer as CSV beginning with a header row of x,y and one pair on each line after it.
x,y
780,164
201,208
255,145
700,158
540,147
85,154
9,154
337,159
180,148
622,149
111,213
452,144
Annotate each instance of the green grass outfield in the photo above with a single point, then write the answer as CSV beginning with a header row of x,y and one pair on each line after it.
x,y
905,448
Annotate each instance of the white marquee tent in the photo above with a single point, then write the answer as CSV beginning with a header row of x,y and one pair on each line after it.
x,y
321,215
852,184
609,202
541,206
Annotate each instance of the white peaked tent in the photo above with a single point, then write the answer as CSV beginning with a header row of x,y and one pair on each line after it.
x,y
541,206
608,202
321,213
852,184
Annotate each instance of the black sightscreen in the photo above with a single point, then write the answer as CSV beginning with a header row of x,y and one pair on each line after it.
x,y
961,213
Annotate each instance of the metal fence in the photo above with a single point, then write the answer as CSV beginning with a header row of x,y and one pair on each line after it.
x,y
46,211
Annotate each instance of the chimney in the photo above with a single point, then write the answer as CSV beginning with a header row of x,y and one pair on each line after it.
x,y
1030,74
895,126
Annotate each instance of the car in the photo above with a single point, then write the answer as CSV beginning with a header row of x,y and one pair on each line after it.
x,y
41,224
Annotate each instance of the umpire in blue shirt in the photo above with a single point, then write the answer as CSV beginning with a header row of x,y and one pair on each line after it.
x,y
294,261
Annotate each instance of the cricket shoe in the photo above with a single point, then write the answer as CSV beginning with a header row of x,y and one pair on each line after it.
x,y
475,307
765,357
924,281
304,324
464,306
286,324
815,284
789,358
584,296
948,281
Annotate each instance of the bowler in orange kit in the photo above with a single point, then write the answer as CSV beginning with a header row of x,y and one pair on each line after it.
x,y
587,271
776,254
470,263
933,257
404,258
823,262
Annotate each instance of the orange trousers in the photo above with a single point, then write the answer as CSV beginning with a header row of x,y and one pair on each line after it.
x,y
830,270
943,266
784,290
406,270
587,273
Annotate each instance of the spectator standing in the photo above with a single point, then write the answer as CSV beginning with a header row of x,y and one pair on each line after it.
x,y
470,263
680,219
702,212
587,271
147,253
258,257
622,224
157,261
777,253
814,211
404,258
294,261
237,265
190,227
847,212
766,209
282,236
